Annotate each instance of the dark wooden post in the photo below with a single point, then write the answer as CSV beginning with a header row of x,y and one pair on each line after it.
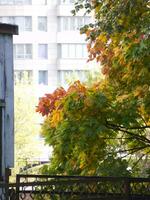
x,y
6,98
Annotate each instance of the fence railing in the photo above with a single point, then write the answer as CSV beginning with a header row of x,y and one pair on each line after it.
x,y
41,187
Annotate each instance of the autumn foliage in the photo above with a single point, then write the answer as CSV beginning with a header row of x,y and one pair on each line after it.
x,y
109,121
48,103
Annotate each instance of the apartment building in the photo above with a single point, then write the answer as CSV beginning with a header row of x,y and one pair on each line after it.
x,y
49,46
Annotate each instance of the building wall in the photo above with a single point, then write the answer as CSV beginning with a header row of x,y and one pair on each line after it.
x,y
65,45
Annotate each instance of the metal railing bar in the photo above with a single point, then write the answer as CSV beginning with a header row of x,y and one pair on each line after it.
x,y
86,177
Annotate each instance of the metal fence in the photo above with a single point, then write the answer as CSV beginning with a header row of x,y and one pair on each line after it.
x,y
40,187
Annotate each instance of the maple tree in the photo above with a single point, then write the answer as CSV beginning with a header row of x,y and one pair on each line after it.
x,y
89,125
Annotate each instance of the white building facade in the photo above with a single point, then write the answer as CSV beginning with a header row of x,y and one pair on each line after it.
x,y
49,45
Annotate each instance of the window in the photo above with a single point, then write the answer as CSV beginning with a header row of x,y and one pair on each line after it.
x,y
42,2
23,51
64,51
42,23
23,76
22,2
67,1
79,50
6,2
15,2
43,51
27,2
73,51
73,23
80,22
24,23
66,76
43,77
65,24
84,51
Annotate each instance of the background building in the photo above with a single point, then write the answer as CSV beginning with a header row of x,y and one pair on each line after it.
x,y
49,45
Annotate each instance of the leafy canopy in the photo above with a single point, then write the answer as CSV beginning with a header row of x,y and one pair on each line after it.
x,y
89,127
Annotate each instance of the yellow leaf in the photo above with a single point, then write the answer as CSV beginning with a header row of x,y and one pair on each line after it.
x,y
138,91
102,38
116,51
122,97
56,118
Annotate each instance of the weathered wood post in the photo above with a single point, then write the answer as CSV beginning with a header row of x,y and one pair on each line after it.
x,y
6,99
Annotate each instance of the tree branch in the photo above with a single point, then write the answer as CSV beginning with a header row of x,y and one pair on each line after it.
x,y
129,128
123,129
130,151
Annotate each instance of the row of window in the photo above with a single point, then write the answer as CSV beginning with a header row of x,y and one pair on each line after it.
x,y
72,23
29,2
25,22
20,75
24,51
73,51
22,2
15,2
66,76
65,23
63,76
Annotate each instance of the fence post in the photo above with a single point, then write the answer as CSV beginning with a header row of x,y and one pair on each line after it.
x,y
17,186
6,191
127,189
